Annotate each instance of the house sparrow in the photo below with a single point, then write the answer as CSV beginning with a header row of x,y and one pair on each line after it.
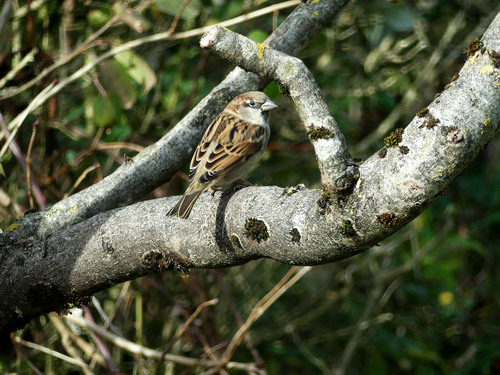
x,y
230,148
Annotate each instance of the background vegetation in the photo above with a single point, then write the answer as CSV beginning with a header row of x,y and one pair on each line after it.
x,y
423,302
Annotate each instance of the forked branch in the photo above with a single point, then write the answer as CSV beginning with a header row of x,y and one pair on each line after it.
x,y
338,170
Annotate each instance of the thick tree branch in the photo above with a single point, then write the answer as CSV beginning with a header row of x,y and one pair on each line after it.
x,y
337,168
293,226
159,162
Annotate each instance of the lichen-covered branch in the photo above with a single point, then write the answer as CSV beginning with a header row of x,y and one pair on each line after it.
x,y
338,170
421,160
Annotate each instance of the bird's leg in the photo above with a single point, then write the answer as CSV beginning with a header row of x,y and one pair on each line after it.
x,y
213,190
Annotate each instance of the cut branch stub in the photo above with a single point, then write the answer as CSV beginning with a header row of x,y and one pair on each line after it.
x,y
338,170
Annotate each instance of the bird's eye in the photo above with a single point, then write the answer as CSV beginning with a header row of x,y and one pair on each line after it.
x,y
251,103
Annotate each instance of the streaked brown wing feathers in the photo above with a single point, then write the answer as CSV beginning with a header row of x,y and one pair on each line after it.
x,y
237,141
236,145
212,132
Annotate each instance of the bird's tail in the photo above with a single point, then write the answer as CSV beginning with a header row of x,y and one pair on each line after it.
x,y
183,208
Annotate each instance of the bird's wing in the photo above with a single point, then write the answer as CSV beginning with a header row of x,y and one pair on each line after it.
x,y
228,142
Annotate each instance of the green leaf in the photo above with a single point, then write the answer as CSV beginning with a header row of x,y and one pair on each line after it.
x,y
130,17
73,114
138,69
172,7
116,80
105,109
257,35
98,17
118,133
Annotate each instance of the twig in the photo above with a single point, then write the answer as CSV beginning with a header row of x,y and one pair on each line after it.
x,y
417,257
53,89
260,308
16,123
237,20
210,352
101,346
104,316
65,340
355,338
239,319
28,164
350,330
162,36
183,329
178,16
375,302
87,348
62,61
151,353
306,352
80,179
26,60
96,145
32,183
114,145
167,35
51,352
33,367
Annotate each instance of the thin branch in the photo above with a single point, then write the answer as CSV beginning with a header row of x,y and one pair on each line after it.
x,y
16,123
236,20
51,352
360,328
151,353
33,367
101,345
84,346
178,16
81,178
183,329
64,331
169,35
25,165
260,308
30,56
28,168
89,43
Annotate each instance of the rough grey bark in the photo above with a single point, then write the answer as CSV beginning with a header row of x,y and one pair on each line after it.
x,y
296,226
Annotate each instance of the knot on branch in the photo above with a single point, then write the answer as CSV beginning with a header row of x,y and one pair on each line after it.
x,y
163,262
256,229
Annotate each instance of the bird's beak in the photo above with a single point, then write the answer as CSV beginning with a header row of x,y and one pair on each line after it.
x,y
268,105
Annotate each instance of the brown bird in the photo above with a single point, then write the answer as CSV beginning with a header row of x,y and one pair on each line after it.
x,y
230,148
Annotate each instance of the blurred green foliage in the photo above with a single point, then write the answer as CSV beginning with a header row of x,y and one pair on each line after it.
x,y
423,302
